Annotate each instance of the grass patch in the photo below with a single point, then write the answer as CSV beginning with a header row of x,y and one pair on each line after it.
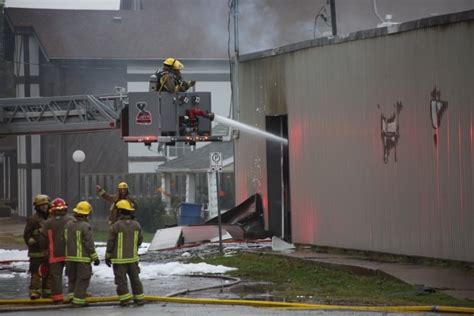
x,y
293,278
102,235
11,241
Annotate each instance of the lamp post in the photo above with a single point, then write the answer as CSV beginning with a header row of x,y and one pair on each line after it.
x,y
79,156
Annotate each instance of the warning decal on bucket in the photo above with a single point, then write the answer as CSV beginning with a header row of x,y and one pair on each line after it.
x,y
143,117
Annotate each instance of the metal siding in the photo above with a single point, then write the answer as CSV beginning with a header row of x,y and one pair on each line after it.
x,y
343,195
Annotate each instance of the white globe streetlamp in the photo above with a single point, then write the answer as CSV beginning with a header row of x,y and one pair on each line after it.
x,y
79,156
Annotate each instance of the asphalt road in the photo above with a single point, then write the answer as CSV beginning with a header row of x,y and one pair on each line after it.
x,y
189,309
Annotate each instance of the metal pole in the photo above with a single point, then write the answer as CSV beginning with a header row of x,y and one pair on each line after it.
x,y
4,164
219,221
333,17
79,182
235,113
236,28
282,183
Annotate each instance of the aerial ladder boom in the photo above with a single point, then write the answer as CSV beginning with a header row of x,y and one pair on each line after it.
x,y
58,115
144,117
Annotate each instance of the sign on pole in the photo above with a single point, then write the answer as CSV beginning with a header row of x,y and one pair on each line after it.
x,y
215,159
216,163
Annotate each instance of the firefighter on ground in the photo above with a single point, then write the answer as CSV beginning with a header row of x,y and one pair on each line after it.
x,y
39,284
80,252
122,193
53,235
125,236
168,78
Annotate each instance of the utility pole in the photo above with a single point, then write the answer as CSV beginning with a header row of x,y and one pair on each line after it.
x,y
333,17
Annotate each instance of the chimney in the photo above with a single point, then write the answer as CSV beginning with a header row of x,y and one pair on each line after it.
x,y
132,5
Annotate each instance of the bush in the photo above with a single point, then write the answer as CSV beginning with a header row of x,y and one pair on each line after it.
x,y
151,214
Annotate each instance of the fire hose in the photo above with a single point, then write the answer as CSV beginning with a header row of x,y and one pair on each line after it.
x,y
18,303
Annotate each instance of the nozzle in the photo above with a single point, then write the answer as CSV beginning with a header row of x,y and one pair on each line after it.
x,y
210,116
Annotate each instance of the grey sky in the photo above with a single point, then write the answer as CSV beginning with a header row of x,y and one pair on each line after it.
x,y
64,4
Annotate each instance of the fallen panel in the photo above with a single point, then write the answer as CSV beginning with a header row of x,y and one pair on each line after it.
x,y
202,233
281,245
225,236
166,238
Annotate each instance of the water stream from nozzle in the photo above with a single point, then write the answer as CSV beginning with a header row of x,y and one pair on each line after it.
x,y
249,129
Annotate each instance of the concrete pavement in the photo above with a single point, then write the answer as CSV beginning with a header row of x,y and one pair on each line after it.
x,y
453,281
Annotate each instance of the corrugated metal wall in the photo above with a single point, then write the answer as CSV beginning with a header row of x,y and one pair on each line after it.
x,y
342,192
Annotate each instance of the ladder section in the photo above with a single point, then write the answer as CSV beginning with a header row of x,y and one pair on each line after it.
x,y
58,115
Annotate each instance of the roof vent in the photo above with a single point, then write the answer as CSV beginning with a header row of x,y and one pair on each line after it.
x,y
117,18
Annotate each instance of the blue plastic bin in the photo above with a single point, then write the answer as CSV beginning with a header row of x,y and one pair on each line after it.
x,y
190,213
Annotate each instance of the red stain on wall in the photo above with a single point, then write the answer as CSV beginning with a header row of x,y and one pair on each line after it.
x,y
296,142
461,193
242,189
265,202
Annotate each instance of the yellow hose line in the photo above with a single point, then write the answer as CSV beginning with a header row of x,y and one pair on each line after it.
x,y
267,304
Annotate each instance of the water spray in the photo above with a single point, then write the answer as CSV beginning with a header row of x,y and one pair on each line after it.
x,y
194,112
249,129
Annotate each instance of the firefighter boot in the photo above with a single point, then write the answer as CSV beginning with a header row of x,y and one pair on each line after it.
x,y
139,302
34,295
46,293
126,303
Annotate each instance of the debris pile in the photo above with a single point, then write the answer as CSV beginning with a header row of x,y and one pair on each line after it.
x,y
243,222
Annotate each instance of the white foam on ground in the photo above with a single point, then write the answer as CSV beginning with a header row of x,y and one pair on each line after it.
x,y
13,255
13,275
179,268
149,271
100,248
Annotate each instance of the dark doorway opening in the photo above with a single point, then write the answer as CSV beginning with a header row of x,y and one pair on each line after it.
x,y
278,179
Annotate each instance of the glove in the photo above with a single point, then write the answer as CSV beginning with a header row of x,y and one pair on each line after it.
x,y
96,262
108,262
31,241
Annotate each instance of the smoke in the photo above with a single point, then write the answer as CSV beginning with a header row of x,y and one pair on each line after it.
x,y
263,24
258,26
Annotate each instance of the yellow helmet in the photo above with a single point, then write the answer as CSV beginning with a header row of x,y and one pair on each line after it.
x,y
83,208
41,199
173,62
122,185
124,205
